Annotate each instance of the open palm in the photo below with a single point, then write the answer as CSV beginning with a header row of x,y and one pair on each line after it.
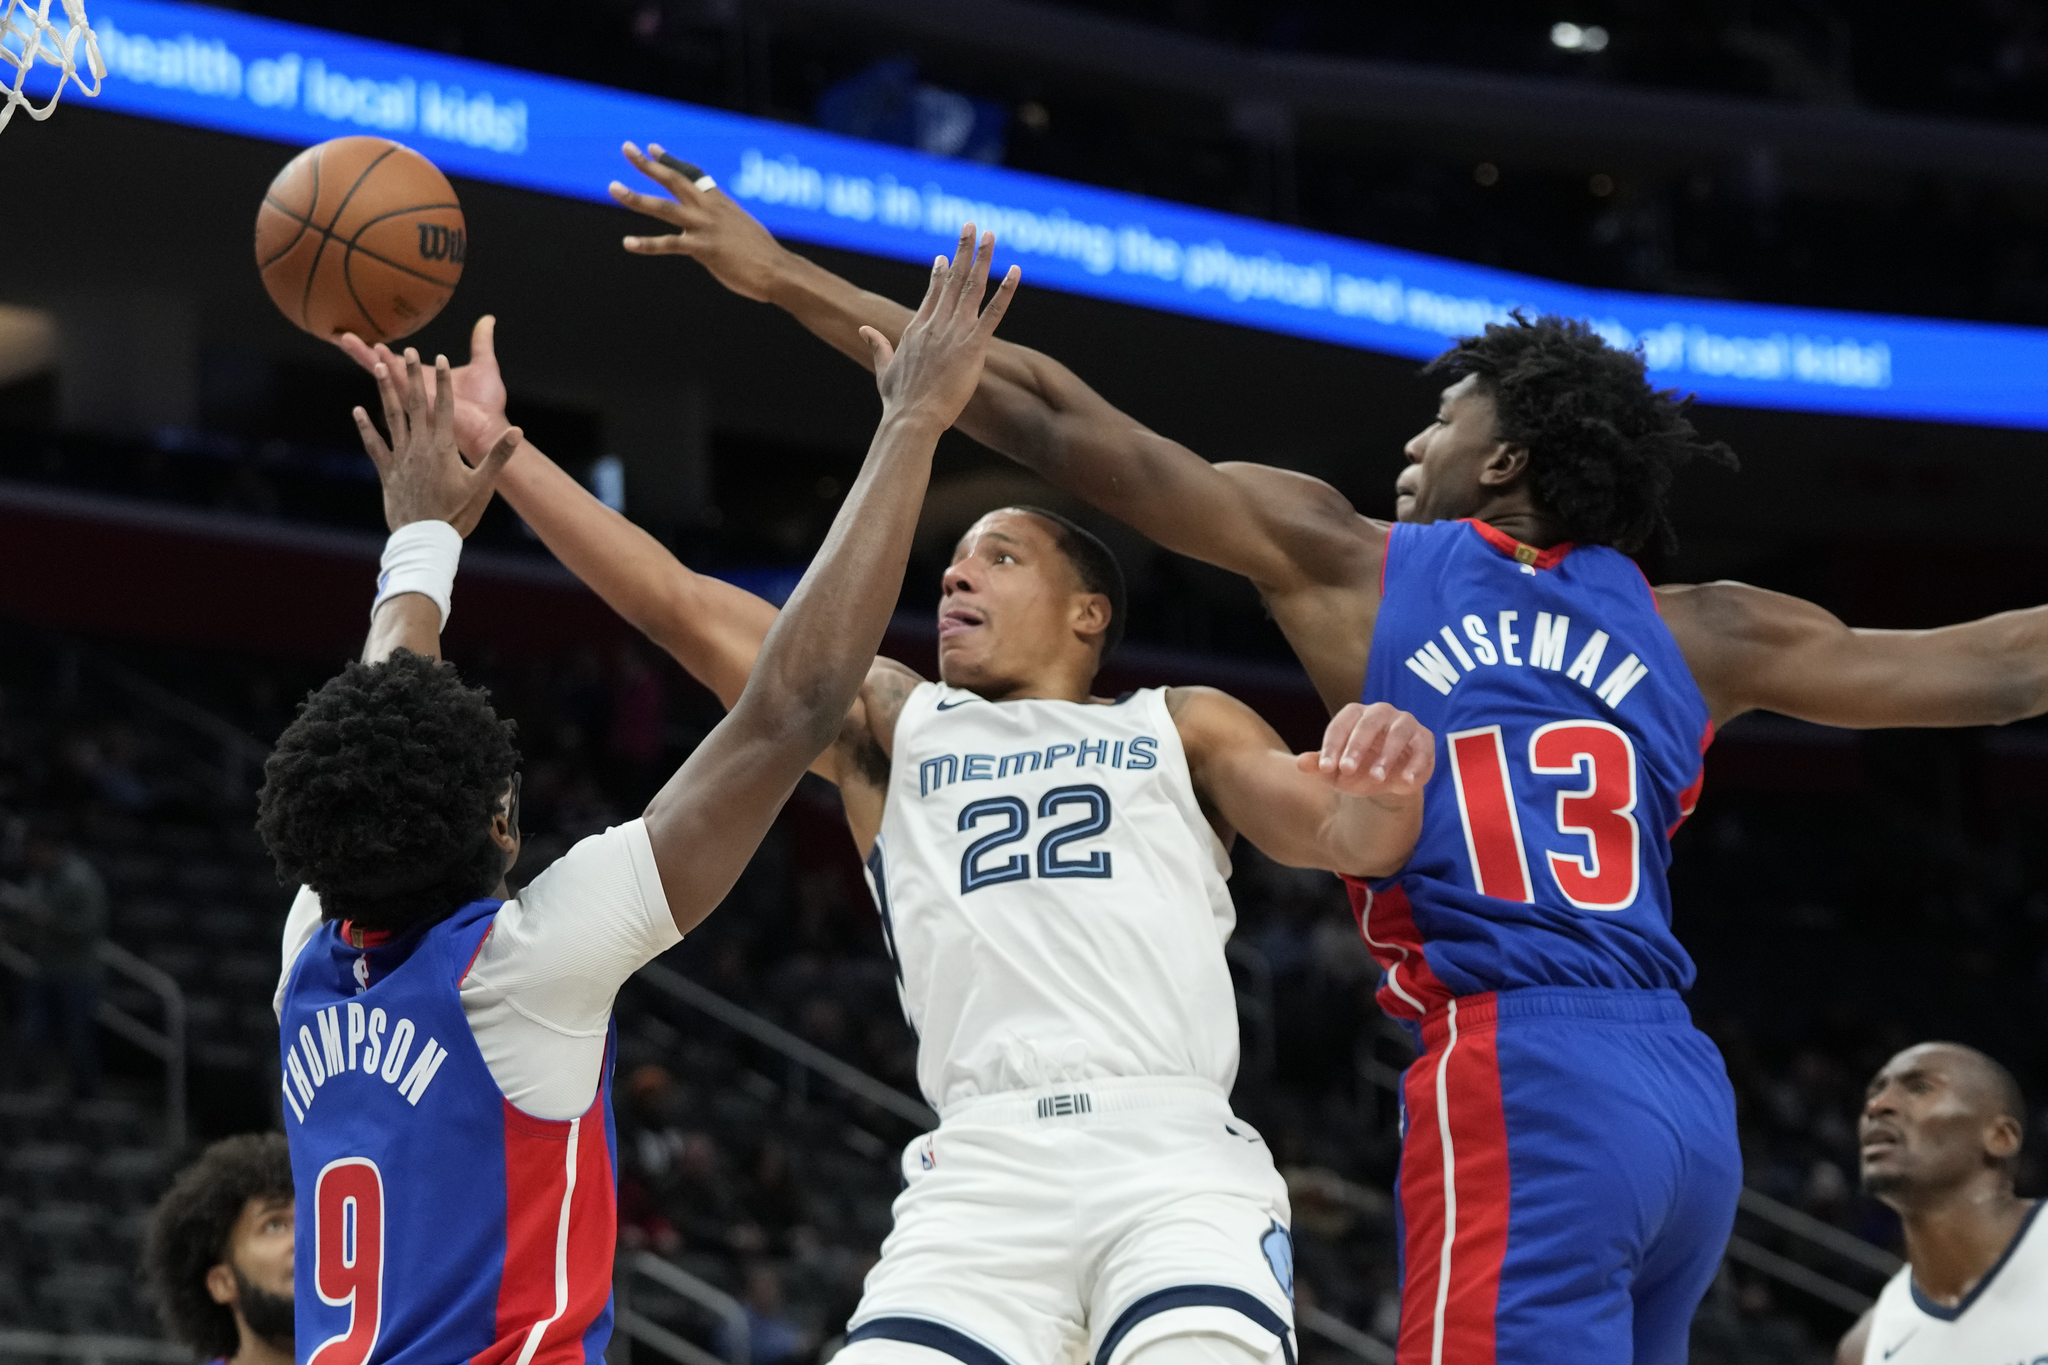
x,y
478,387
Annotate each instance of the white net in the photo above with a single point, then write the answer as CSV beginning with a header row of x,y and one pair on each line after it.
x,y
28,36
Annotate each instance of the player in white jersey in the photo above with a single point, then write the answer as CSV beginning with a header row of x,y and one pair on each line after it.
x,y
1049,867
1941,1132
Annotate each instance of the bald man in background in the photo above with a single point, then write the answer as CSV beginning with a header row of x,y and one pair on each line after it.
x,y
1940,1139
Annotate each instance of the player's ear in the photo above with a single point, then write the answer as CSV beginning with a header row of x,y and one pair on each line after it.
x,y
220,1284
1091,613
1504,465
2002,1138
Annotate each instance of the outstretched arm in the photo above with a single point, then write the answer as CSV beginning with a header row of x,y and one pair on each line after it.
x,y
1752,649
713,629
710,627
1354,806
705,824
424,480
1296,537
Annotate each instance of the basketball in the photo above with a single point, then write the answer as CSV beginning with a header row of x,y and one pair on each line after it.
x,y
360,234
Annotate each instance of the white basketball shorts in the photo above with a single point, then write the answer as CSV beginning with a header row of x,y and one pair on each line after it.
x,y
1074,1226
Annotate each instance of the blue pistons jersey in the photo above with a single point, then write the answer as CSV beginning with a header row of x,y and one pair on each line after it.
x,y
1570,741
436,1222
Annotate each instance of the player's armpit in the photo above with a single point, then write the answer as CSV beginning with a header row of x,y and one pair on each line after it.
x,y
888,686
1751,649
858,761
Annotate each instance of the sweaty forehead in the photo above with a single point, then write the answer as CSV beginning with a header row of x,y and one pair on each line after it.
x,y
1013,529
1933,1061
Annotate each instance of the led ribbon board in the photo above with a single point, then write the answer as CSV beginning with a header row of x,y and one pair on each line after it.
x,y
213,69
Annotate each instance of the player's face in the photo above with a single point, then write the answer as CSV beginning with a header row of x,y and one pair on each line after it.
x,y
261,1244
259,1256
1010,606
1447,458
505,832
1924,1127
256,1278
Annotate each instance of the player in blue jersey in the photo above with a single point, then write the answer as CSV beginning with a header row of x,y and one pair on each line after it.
x,y
1570,1168
446,1047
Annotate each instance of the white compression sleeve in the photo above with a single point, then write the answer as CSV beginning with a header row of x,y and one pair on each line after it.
x,y
420,557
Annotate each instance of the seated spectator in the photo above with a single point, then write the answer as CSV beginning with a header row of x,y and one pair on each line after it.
x,y
60,918
774,1196
771,1337
218,1259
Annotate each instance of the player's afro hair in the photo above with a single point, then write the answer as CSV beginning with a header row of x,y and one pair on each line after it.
x,y
380,793
1603,445
1094,564
189,1231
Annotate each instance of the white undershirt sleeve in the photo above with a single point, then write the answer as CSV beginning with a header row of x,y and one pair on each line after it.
x,y
299,928
539,995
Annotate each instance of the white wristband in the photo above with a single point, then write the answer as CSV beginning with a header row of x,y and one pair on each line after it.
x,y
420,557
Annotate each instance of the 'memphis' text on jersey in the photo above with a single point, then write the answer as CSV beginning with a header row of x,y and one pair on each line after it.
x,y
1077,750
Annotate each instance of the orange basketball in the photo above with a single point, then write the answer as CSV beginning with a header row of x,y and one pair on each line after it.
x,y
360,235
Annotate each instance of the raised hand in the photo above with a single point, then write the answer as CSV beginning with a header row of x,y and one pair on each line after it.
x,y
1374,751
933,371
424,476
708,227
478,387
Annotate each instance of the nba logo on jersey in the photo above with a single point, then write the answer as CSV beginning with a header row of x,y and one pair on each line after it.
x,y
928,1152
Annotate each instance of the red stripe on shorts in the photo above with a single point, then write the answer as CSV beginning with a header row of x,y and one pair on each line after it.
x,y
1453,1190
1387,922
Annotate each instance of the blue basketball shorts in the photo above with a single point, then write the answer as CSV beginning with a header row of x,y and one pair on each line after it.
x,y
1569,1171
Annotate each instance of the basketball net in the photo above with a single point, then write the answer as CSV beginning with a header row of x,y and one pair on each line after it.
x,y
27,36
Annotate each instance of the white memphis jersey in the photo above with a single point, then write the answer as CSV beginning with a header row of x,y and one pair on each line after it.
x,y
1053,896
2003,1321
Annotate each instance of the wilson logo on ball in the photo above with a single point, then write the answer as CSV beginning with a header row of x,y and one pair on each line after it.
x,y
439,243
360,234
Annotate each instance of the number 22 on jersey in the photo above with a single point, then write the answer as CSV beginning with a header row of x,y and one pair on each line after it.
x,y
1093,804
1600,867
348,1256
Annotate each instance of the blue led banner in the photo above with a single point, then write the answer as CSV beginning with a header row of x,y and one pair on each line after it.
x,y
215,69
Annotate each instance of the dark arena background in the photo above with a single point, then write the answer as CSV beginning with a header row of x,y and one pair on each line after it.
x,y
189,532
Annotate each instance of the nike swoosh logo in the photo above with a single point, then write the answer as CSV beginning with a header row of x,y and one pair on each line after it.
x,y
1901,1343
949,705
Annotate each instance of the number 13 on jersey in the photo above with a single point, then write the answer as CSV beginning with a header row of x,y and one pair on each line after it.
x,y
1598,865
